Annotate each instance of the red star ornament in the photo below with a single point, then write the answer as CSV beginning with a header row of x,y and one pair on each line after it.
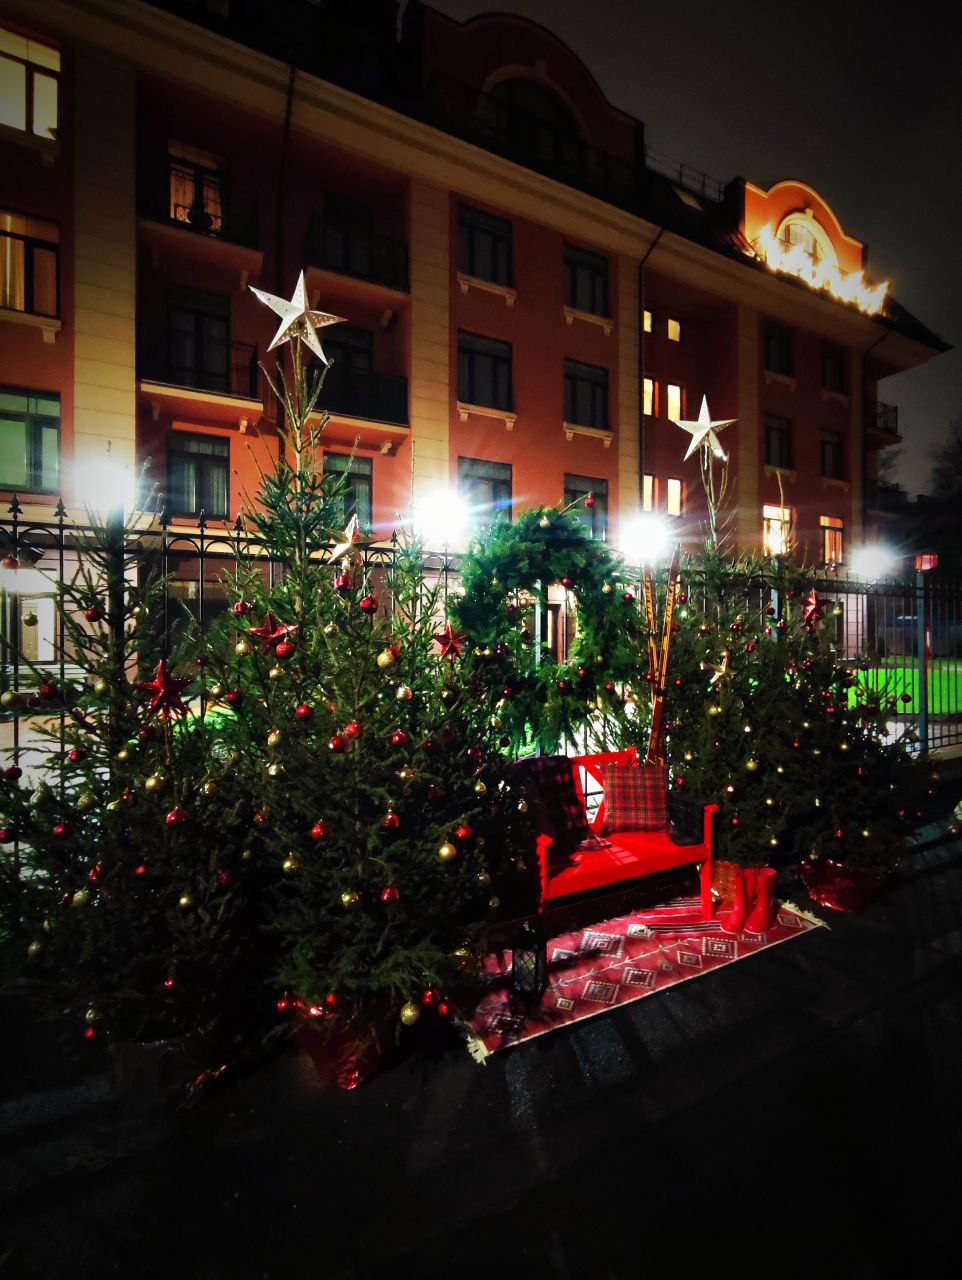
x,y
814,611
271,632
450,642
165,691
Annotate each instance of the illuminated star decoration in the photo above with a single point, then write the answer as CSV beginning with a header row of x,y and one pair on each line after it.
x,y
271,632
298,321
450,642
703,432
813,611
165,691
350,536
721,672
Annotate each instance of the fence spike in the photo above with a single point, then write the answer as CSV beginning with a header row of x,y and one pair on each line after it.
x,y
60,511
202,519
164,518
15,508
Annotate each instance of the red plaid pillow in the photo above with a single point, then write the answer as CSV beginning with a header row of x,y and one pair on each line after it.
x,y
636,797
549,786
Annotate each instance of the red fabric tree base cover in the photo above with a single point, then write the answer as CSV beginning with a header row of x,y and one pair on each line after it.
x,y
617,962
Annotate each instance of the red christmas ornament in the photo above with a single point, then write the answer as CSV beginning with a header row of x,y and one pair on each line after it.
x,y
463,832
368,604
200,662
13,772
272,634
61,830
781,624
476,756
319,830
76,754
430,996
679,782
770,611
90,1033
567,582
332,1001
127,794
233,697
177,817
169,984
96,613
590,501
353,730
338,743
610,686
449,643
146,733
390,821
304,711
165,691
443,1008
390,894
141,869
223,878
241,608
94,874
399,738
342,583
283,651
564,685
628,597
260,817
48,692
813,611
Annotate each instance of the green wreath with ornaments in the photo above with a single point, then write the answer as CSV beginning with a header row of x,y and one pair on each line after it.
x,y
503,574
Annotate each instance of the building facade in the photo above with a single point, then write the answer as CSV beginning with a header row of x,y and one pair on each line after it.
x,y
531,295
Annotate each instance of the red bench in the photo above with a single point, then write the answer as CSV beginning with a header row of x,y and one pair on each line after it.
x,y
628,855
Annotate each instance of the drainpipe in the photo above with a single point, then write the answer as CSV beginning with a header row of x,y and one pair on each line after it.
x,y
641,362
868,350
281,181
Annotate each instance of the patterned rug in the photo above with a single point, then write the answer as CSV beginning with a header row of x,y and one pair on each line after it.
x,y
617,962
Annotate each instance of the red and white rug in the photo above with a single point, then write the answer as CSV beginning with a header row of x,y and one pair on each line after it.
x,y
617,962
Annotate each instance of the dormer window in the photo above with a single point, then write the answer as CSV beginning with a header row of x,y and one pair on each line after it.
x,y
800,230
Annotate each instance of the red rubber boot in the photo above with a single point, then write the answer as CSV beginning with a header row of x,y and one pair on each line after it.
x,y
762,915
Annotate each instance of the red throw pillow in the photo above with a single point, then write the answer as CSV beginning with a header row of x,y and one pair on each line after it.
x,y
636,797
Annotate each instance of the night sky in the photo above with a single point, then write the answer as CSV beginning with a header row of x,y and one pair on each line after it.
x,y
861,100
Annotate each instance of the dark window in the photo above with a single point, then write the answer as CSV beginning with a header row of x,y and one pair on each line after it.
x,y
485,488
199,340
29,264
198,470
833,369
833,455
587,280
484,371
594,517
29,440
778,349
778,441
485,245
586,394
350,350
357,496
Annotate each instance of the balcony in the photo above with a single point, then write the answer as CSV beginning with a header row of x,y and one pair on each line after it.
x,y
377,397
882,419
222,391
194,198
357,253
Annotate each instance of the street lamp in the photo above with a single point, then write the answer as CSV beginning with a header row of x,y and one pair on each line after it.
x,y
873,561
440,518
645,539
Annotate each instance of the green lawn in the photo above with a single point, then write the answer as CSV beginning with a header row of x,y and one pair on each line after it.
x,y
896,676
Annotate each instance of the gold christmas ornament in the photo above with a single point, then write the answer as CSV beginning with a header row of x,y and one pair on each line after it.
x,y
769,800
34,949
10,698
155,782
275,738
123,755
185,900
216,690
331,629
350,898
276,672
275,770
209,787
447,852
484,879
30,618
480,788
386,659
607,588
494,903
91,1016
113,806
751,765
48,925
495,722
86,802
289,864
522,806
246,855
81,898
242,648
101,687
410,1013
544,523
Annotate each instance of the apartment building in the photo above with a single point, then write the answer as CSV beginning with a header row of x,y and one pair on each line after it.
x,y
531,295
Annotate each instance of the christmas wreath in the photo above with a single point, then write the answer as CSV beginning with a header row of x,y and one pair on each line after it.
x,y
504,574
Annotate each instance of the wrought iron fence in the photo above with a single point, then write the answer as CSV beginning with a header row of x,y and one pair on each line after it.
x,y
902,638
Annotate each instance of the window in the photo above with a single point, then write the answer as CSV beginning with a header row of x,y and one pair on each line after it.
x,y
833,455
674,497
29,85
484,371
594,517
674,331
29,440
199,340
833,369
197,475
485,488
29,264
197,182
674,398
648,321
350,350
486,245
649,493
833,531
650,401
778,349
776,529
586,395
358,494
587,280
778,441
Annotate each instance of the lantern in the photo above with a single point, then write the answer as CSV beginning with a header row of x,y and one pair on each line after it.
x,y
529,964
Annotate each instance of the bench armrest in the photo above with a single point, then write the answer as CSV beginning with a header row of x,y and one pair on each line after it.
x,y
542,849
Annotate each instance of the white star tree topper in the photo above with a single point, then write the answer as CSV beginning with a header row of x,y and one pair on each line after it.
x,y
298,320
704,432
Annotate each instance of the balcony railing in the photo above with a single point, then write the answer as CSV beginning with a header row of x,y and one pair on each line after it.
x,y
685,175
356,252
236,375
881,417
381,397
198,199
501,127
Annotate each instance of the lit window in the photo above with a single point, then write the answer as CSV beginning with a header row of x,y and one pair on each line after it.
x,y
197,475
485,488
833,531
674,331
29,85
776,529
650,399
648,322
29,440
29,263
355,480
674,497
673,408
197,187
649,492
